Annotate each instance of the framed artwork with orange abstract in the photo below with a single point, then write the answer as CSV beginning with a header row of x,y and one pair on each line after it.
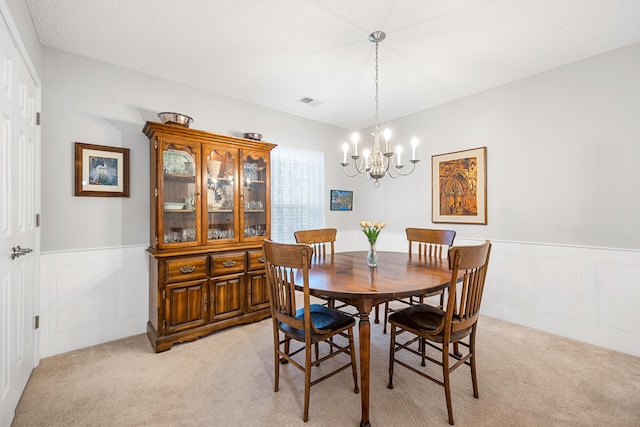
x,y
459,187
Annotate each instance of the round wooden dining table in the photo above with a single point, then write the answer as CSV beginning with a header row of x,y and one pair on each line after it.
x,y
345,276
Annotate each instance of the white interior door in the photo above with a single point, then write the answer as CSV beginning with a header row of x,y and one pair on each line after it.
x,y
19,98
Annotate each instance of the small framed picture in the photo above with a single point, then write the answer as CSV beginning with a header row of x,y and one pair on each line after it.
x,y
101,171
459,187
341,200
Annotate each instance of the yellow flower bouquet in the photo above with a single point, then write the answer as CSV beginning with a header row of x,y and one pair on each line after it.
x,y
372,230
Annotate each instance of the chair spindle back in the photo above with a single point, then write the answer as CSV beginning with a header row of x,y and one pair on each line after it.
x,y
319,239
431,243
465,296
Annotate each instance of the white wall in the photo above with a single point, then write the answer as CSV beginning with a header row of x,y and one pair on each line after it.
x,y
562,184
93,102
562,191
562,153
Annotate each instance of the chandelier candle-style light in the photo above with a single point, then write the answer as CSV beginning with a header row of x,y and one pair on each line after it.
x,y
376,163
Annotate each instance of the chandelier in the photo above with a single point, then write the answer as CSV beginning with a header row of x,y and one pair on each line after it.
x,y
376,163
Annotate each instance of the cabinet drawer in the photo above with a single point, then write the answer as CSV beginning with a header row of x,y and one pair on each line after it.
x,y
184,269
227,263
256,260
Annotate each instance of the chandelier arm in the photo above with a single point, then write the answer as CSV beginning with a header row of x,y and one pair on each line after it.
x,y
397,170
358,170
413,166
363,165
392,162
344,169
391,171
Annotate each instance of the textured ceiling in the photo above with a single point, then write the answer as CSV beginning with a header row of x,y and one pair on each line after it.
x,y
274,52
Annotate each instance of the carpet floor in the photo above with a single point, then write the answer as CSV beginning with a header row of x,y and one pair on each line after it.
x,y
526,378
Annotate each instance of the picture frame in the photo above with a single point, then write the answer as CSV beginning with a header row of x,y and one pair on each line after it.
x,y
101,171
459,187
341,200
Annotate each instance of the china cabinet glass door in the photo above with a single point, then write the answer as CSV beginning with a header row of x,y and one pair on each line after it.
x,y
179,194
254,191
221,193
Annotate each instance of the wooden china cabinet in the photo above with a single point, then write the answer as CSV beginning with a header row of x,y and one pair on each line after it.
x,y
210,212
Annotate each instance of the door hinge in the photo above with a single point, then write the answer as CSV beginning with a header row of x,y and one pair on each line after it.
x,y
155,144
156,192
37,322
37,220
164,324
164,294
38,118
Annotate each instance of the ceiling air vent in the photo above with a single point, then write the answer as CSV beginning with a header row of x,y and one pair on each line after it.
x,y
309,101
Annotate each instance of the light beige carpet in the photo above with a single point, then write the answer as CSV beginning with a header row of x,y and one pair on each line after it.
x,y
526,378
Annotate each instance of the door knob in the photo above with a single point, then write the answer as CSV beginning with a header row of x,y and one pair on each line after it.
x,y
18,251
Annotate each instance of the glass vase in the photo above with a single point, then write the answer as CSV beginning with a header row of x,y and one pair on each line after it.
x,y
372,255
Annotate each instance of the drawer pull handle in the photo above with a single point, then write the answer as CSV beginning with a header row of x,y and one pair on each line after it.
x,y
229,263
261,259
186,269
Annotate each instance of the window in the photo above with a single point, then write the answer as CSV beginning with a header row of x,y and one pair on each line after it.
x,y
297,192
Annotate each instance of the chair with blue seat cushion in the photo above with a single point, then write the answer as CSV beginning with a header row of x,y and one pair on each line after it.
x,y
320,240
287,266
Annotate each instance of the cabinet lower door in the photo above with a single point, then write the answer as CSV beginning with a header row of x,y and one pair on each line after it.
x,y
226,296
185,306
258,291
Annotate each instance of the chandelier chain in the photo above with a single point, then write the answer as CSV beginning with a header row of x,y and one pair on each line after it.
x,y
377,88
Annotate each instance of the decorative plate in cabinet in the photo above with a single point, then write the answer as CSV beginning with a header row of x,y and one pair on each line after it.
x,y
178,162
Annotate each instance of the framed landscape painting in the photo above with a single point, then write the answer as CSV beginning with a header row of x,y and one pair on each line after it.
x,y
101,171
459,187
341,200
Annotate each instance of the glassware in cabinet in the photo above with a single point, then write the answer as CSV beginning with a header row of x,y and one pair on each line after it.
x,y
254,190
221,193
179,201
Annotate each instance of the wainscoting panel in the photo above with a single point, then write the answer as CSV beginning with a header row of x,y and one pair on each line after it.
x,y
558,287
502,294
74,298
93,296
587,294
128,298
618,291
577,292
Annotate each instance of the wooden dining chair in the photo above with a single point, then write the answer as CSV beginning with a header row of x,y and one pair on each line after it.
x,y
431,245
320,239
311,325
433,327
